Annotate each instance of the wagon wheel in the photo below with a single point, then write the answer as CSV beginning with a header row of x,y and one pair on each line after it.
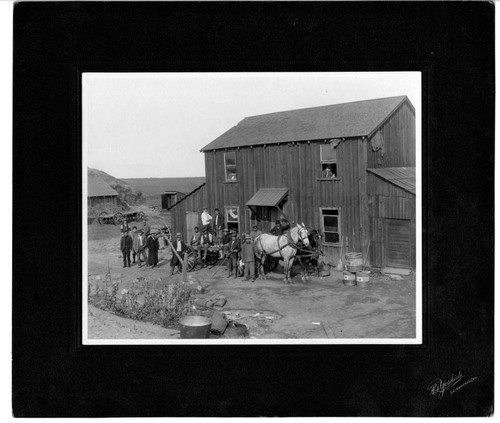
x,y
270,264
140,216
100,218
192,260
118,218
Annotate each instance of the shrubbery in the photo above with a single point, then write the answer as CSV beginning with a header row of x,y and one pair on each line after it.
x,y
145,301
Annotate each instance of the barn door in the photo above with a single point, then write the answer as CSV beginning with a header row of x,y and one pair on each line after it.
x,y
191,222
397,246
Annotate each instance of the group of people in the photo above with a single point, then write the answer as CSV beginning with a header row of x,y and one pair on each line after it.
x,y
143,244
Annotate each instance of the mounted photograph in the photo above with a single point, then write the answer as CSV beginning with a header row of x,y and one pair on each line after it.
x,y
251,208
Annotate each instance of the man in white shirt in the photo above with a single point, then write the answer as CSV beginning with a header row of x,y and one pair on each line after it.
x,y
206,219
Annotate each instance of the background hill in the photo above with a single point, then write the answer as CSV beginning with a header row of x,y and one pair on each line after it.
x,y
126,193
153,188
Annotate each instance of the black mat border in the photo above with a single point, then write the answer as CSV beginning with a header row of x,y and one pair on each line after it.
x,y
53,375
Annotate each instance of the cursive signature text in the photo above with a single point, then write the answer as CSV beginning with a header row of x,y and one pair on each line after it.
x,y
438,387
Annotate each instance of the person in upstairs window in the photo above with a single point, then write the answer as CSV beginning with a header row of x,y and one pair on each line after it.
x,y
327,173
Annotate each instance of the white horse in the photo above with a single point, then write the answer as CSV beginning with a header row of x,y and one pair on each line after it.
x,y
282,246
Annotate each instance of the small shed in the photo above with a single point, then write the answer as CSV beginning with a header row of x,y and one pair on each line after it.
x,y
99,192
391,211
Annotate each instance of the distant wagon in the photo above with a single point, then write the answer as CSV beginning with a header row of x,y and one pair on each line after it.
x,y
118,218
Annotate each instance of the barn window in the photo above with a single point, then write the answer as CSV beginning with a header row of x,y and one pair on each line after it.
x,y
330,221
232,217
230,165
328,157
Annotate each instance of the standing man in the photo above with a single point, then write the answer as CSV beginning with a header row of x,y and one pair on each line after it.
x,y
255,232
124,226
126,245
218,223
152,244
205,218
234,251
139,245
226,239
248,257
179,247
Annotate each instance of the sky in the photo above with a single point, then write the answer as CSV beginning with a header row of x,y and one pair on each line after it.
x,y
151,125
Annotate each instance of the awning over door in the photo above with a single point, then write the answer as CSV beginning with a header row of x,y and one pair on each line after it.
x,y
268,197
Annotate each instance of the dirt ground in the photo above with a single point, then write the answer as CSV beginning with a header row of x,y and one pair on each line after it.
x,y
269,308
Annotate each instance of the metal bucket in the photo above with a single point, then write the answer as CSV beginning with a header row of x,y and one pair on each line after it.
x,y
349,278
219,323
195,327
362,279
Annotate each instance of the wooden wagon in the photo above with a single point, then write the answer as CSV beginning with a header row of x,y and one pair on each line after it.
x,y
118,218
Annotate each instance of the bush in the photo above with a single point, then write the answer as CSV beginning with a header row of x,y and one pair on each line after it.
x,y
163,306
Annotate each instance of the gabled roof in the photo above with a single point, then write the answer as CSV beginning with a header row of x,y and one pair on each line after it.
x,y
269,197
403,177
96,187
347,120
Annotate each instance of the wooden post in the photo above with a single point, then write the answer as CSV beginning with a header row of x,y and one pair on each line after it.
x,y
184,268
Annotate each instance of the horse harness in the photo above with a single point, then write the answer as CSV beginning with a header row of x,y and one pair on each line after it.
x,y
291,243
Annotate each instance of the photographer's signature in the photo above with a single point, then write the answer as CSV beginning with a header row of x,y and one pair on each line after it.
x,y
438,387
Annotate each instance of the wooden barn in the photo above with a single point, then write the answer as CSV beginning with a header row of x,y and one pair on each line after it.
x,y
314,166
99,192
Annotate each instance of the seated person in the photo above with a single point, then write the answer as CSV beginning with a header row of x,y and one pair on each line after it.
x,y
284,224
206,241
276,229
195,239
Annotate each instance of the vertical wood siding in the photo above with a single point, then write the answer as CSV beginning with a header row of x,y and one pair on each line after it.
x,y
398,133
387,201
298,168
194,203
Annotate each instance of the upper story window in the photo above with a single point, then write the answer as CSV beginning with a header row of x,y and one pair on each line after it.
x,y
328,158
230,165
